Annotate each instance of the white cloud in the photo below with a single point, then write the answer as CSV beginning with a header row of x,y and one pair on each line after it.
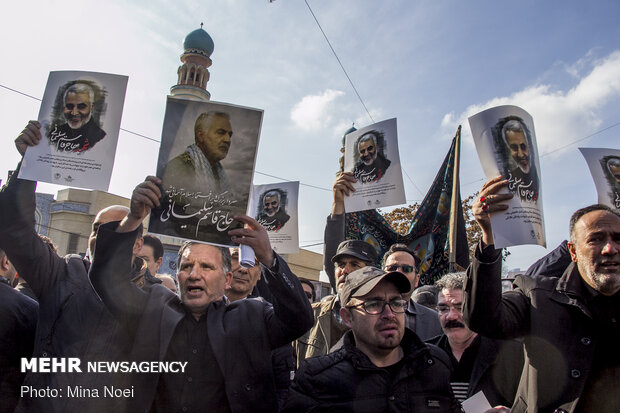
x,y
559,116
313,112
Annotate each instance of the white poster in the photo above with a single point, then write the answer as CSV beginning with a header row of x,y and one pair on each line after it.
x,y
206,162
80,119
506,145
274,206
371,153
604,166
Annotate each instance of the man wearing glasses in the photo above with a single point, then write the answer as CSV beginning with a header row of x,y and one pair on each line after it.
x,y
382,365
479,363
421,320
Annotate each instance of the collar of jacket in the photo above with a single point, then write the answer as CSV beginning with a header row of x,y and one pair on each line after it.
x,y
570,289
412,347
411,307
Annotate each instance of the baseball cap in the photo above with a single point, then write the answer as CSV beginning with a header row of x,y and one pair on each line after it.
x,y
358,249
362,281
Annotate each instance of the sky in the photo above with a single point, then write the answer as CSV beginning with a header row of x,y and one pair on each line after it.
x,y
429,64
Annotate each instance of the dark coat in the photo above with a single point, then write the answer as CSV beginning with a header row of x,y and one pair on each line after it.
x,y
18,321
554,321
347,381
496,371
72,320
242,334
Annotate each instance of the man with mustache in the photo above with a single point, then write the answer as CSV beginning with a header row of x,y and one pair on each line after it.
x,y
272,217
382,365
81,132
372,164
199,167
479,363
570,325
522,171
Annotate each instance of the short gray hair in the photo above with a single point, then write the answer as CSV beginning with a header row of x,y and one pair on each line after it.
x,y
79,89
203,122
451,281
226,260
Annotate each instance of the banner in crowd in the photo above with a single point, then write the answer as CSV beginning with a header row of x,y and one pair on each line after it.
x,y
506,145
604,166
371,153
428,232
274,206
80,118
206,162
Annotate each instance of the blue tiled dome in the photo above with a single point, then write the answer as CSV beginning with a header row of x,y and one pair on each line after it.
x,y
200,40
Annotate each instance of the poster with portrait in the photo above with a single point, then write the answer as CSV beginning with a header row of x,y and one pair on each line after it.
x,y
274,206
371,153
206,162
604,166
80,119
506,143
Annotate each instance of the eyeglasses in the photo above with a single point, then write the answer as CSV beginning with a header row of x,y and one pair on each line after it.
x,y
445,309
374,307
395,267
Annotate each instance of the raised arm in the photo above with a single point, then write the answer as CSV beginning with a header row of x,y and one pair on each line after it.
x,y
112,261
291,315
34,259
334,227
485,309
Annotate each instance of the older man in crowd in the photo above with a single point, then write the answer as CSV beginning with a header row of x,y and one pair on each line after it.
x,y
227,345
478,363
570,325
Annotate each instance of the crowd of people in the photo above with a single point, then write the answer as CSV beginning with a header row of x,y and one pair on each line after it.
x,y
253,339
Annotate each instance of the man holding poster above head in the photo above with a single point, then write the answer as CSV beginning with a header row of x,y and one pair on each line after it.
x,y
569,324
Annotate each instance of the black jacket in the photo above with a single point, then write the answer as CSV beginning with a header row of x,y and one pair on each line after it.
x,y
552,315
18,321
496,371
242,334
72,320
347,381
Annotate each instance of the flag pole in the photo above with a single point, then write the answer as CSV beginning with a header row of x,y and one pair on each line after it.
x,y
453,204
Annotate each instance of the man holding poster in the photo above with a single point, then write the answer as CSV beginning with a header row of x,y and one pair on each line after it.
x,y
569,324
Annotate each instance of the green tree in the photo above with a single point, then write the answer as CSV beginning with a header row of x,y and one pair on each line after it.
x,y
400,218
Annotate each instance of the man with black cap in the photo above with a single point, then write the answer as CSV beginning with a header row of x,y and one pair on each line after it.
x,y
382,366
328,327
